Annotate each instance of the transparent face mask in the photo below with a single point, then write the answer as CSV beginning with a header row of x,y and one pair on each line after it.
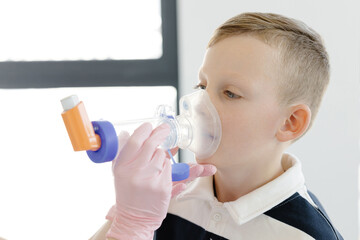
x,y
200,125
197,127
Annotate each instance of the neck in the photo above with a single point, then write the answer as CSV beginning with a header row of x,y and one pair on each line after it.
x,y
233,182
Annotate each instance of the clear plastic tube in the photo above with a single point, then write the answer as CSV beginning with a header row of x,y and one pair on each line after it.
x,y
131,125
197,128
177,131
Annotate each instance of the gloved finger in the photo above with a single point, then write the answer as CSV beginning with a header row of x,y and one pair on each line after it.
x,y
156,138
157,161
199,170
135,142
122,139
173,152
195,171
111,213
209,170
166,176
177,189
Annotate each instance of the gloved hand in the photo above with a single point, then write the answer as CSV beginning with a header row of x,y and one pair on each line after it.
x,y
143,184
196,170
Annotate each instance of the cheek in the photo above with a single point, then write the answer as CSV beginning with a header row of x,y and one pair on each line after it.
x,y
269,120
245,131
235,133
249,129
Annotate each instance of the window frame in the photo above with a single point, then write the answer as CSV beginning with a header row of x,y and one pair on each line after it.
x,y
151,72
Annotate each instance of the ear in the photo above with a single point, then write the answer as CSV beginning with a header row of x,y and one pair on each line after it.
x,y
296,124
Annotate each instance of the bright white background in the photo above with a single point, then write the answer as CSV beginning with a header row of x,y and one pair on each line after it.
x,y
330,151
48,191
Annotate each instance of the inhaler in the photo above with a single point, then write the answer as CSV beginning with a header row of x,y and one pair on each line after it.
x,y
197,128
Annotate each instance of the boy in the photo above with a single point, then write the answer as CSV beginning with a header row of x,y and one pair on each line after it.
x,y
266,75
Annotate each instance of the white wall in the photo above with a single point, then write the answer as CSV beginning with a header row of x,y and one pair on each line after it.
x,y
330,151
48,191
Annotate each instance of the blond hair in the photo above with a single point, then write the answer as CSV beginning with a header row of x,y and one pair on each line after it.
x,y
304,69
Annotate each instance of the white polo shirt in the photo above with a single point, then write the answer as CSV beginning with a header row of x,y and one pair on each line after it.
x,y
281,209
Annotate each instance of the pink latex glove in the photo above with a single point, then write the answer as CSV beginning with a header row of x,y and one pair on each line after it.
x,y
196,170
143,184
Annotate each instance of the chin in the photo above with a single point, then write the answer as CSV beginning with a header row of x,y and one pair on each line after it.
x,y
209,160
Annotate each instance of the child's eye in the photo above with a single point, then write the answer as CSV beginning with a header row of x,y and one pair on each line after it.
x,y
200,86
231,95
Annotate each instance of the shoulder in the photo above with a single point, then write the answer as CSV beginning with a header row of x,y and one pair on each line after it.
x,y
178,228
300,213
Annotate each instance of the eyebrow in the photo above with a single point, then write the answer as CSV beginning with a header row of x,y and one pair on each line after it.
x,y
232,78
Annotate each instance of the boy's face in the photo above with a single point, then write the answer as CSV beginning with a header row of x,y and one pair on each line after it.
x,y
240,75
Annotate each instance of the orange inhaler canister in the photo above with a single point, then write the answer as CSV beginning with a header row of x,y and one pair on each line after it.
x,y
78,125
101,143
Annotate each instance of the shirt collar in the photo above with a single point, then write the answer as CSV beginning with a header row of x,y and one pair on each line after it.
x,y
258,201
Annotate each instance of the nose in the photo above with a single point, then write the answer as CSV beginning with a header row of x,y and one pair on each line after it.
x,y
204,107
213,98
